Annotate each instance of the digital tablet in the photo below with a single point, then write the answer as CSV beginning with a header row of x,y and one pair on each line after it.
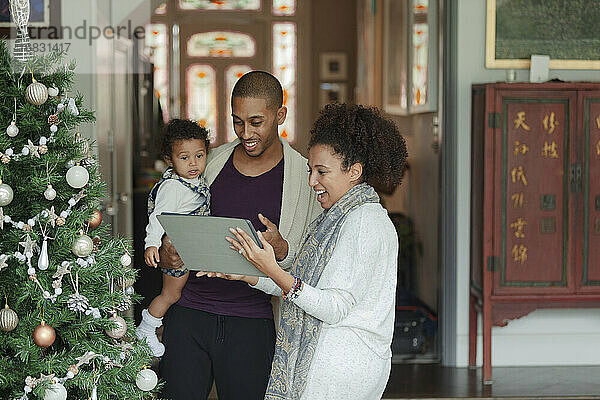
x,y
200,242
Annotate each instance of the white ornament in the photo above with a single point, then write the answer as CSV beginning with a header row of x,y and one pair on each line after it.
x,y
53,91
72,107
59,107
43,262
146,380
6,194
77,176
53,128
43,140
82,246
36,93
50,193
19,11
56,391
12,130
125,260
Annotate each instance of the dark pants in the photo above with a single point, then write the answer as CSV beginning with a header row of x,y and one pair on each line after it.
x,y
234,351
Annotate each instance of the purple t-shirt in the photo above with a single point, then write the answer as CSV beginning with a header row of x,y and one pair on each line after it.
x,y
240,196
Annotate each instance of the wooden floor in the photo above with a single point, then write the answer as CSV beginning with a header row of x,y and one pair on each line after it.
x,y
432,381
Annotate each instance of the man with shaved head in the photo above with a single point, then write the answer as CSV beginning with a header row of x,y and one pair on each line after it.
x,y
223,330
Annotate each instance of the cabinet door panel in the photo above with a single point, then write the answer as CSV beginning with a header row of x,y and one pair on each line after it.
x,y
590,278
532,191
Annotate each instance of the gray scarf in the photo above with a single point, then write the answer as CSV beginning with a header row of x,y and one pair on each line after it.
x,y
299,332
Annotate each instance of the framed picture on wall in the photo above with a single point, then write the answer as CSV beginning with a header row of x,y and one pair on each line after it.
x,y
331,93
333,66
39,13
410,58
44,20
517,29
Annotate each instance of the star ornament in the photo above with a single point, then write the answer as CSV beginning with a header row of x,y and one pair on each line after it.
x,y
3,264
29,246
86,358
62,270
52,217
79,196
33,149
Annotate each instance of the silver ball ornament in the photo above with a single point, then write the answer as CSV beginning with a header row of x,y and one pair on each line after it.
x,y
77,177
50,193
56,391
82,246
12,130
6,194
125,260
121,327
146,380
36,93
8,319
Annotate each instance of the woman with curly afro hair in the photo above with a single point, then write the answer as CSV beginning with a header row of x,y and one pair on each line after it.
x,y
337,319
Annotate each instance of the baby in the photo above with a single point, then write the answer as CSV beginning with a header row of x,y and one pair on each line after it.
x,y
183,190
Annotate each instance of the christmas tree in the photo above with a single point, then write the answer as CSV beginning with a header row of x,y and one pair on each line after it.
x,y
64,278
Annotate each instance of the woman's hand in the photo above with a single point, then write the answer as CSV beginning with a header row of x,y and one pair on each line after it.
x,y
168,255
263,259
272,235
252,280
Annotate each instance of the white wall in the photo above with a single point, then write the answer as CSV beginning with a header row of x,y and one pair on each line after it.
x,y
544,337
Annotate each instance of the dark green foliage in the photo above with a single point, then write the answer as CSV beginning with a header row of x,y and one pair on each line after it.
x,y
562,29
76,332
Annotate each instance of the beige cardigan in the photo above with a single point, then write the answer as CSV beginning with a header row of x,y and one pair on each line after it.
x,y
299,205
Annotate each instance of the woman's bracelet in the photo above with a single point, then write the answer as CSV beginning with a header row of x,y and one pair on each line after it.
x,y
294,291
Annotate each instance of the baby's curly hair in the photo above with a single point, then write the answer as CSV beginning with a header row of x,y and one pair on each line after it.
x,y
360,134
182,129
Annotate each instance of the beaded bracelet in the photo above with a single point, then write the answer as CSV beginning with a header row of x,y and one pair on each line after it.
x,y
294,291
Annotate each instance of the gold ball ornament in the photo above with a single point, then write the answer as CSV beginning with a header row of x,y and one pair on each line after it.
x,y
8,319
119,330
44,335
36,93
95,219
82,246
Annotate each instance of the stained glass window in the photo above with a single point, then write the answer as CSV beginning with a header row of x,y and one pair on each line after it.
x,y
284,68
221,44
232,74
284,7
420,38
202,96
219,5
157,49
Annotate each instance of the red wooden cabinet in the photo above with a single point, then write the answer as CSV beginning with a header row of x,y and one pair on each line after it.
x,y
535,202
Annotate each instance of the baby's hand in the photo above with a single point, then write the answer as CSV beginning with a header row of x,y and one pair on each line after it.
x,y
151,256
